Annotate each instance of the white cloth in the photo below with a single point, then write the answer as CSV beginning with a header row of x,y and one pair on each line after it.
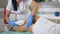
x,y
44,26
22,12
21,5
21,9
19,22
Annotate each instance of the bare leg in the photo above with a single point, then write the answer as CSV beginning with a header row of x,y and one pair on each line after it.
x,y
23,27
36,17
20,28
30,29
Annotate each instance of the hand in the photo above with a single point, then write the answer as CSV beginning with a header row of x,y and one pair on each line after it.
x,y
12,23
29,21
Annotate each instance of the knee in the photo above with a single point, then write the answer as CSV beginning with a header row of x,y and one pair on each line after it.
x,y
36,17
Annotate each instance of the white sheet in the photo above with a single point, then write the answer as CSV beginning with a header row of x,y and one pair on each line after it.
x,y
44,26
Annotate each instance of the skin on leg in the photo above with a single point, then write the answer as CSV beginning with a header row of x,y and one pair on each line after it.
x,y
36,17
30,29
23,27
20,28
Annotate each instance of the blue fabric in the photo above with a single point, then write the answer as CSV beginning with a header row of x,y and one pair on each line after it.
x,y
12,23
29,21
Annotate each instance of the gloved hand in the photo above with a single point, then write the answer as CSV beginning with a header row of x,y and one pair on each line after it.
x,y
29,21
12,23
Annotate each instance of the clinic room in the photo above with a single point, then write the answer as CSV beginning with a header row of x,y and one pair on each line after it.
x,y
29,16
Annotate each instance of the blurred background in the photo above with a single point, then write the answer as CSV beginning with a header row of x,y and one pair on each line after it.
x,y
45,7
2,5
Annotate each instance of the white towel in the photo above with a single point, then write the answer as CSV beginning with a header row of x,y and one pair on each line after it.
x,y
44,26
19,22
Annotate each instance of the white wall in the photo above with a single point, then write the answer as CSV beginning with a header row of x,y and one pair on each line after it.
x,y
1,21
49,7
